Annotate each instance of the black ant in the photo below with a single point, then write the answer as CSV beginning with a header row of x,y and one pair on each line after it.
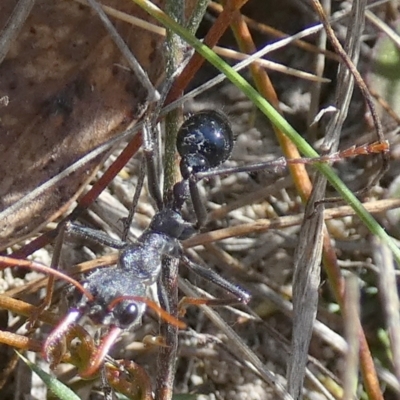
x,y
119,295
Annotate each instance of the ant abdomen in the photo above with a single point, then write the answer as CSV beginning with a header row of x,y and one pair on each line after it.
x,y
204,141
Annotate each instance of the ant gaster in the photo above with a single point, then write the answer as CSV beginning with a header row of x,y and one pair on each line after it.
x,y
204,141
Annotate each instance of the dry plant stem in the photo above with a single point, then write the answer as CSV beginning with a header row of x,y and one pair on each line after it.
x,y
268,64
351,313
20,342
319,385
385,28
389,297
210,40
168,297
367,366
172,122
306,282
319,66
167,284
174,118
21,308
197,15
351,67
14,24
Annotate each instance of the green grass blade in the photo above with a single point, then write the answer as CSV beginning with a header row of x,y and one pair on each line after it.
x,y
53,384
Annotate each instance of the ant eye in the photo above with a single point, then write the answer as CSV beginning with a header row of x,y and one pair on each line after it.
x,y
127,315
205,140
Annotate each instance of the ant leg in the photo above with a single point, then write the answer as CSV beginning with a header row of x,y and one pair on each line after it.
x,y
200,301
94,235
198,204
240,295
128,220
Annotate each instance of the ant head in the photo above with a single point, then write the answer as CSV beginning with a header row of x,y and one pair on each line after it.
x,y
124,315
107,285
204,141
109,298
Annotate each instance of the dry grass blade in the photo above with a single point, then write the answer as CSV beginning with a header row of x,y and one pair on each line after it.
x,y
307,270
306,280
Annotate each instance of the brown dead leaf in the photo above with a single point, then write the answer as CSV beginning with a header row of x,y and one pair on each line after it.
x,y
69,91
